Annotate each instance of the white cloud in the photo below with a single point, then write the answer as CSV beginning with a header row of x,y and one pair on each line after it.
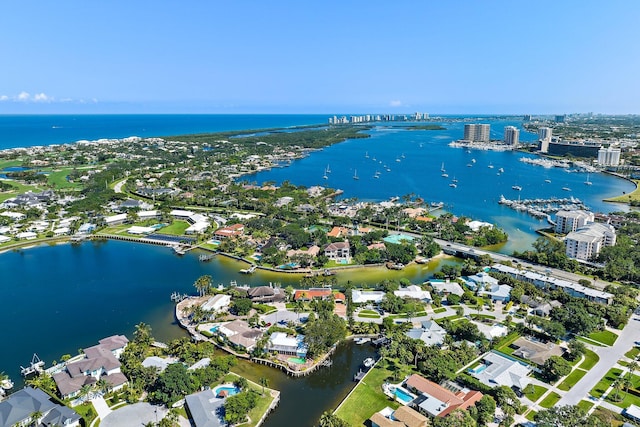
x,y
24,96
42,97
4,98
395,103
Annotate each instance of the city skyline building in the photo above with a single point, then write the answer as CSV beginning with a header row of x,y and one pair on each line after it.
x,y
609,156
477,132
511,135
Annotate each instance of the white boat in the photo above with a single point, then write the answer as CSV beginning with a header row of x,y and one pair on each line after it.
x,y
501,170
368,362
6,384
442,169
490,166
445,175
587,182
473,160
328,169
355,174
547,181
516,187
366,154
454,179
453,185
566,189
362,340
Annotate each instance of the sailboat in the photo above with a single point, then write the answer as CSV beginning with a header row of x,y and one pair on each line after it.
x,y
587,182
355,174
366,154
490,166
328,170
442,169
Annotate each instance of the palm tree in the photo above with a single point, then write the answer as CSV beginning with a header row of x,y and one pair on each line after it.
x,y
202,284
34,418
142,334
617,386
102,385
264,382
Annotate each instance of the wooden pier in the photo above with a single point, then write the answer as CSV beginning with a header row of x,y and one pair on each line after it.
x,y
249,270
206,257
177,297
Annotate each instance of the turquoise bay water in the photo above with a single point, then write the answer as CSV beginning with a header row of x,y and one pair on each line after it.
x,y
416,158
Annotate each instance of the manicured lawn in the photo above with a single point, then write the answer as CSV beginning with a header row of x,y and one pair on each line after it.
x,y
261,406
588,341
361,312
176,228
9,163
551,399
590,360
367,398
608,417
530,415
439,310
626,198
368,316
58,179
86,411
572,379
585,405
482,316
18,188
605,382
605,337
633,353
534,395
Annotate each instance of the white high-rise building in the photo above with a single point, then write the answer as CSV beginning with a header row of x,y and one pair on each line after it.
x,y
609,156
476,133
568,221
511,135
545,134
586,242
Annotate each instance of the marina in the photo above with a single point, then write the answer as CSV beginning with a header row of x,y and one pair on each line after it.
x,y
543,208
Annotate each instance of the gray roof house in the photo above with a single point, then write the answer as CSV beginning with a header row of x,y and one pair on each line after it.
x,y
18,408
430,333
206,409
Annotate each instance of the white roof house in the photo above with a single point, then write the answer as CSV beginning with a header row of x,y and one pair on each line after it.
x,y
61,231
16,216
217,303
413,291
27,235
430,333
360,297
198,227
115,219
4,239
498,370
446,287
148,214
135,229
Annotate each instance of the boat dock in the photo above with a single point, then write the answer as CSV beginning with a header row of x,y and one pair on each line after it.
x,y
249,270
542,208
36,367
360,375
206,257
177,297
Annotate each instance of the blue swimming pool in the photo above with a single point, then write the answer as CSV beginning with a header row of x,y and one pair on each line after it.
x,y
229,389
402,395
398,238
214,329
478,369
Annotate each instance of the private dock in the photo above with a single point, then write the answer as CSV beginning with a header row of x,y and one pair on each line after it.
x,y
249,270
177,297
35,367
360,375
205,258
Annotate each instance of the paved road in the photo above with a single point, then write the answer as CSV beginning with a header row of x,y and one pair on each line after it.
x,y
608,358
118,187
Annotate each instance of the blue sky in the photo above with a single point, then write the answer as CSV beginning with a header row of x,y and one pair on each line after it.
x,y
541,57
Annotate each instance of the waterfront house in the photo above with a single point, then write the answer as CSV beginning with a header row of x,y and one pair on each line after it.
x,y
234,230
205,409
27,235
311,293
280,343
160,363
366,297
262,294
404,416
415,292
340,252
4,239
438,401
99,362
19,408
430,333
217,303
86,228
486,285
497,370
115,219
62,231
136,229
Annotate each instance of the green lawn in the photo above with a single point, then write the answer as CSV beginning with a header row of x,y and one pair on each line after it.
x,y
605,382
533,392
633,353
9,163
263,401
588,341
590,360
367,398
18,188
530,415
368,316
626,198
572,379
605,337
585,405
439,310
58,179
176,228
373,312
551,399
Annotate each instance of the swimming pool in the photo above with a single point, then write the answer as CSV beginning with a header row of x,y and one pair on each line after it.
x,y
402,395
229,389
297,360
478,369
214,329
